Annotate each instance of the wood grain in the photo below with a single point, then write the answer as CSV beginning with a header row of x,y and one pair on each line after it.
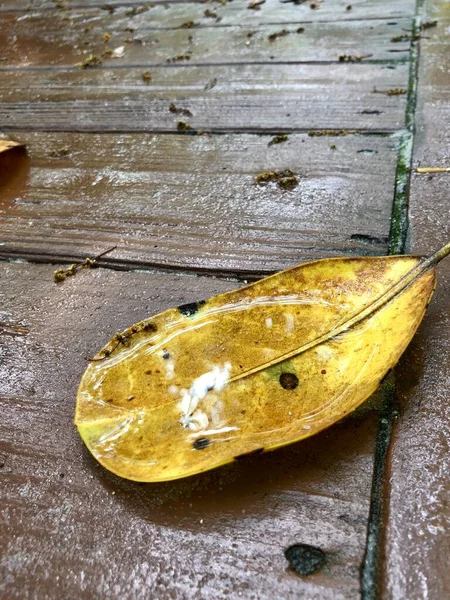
x,y
417,542
76,531
191,201
67,39
272,11
246,98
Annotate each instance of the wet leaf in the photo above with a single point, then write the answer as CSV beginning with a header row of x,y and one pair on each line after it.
x,y
257,368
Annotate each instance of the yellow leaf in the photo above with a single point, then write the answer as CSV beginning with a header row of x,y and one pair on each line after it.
x,y
257,368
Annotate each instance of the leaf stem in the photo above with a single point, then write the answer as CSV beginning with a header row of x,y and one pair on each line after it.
x,y
422,266
439,255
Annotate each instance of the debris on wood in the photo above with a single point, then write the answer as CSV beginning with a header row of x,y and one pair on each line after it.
x,y
118,52
285,179
106,37
210,14
107,53
274,36
333,147
179,57
429,24
211,83
138,10
433,170
352,58
90,62
187,25
182,126
13,330
255,4
305,559
60,152
180,111
348,7
146,77
398,91
331,132
300,30
296,2
62,274
401,38
278,139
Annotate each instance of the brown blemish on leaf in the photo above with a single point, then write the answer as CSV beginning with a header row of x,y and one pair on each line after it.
x,y
201,444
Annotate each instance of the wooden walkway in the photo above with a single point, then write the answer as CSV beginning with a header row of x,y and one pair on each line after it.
x,y
146,126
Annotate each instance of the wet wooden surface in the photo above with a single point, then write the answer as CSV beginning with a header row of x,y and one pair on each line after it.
x,y
107,166
246,98
417,543
127,191
150,38
221,534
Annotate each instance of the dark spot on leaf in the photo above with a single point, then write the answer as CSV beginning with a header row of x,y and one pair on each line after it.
x,y
288,381
148,372
201,444
305,559
323,372
247,454
150,327
190,309
166,356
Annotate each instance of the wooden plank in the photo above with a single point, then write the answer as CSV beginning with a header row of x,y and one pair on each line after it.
x,y
73,530
245,98
417,542
272,11
65,40
191,201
